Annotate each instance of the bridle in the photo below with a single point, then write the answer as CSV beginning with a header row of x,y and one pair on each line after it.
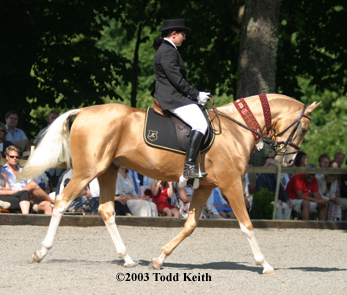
x,y
289,141
270,139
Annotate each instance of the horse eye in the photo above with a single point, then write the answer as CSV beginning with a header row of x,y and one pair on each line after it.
x,y
303,130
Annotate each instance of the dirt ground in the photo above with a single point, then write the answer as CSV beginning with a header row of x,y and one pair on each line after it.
x,y
211,261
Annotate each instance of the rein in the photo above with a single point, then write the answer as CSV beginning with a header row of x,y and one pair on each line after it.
x,y
264,138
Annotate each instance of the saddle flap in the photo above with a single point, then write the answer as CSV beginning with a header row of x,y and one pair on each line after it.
x,y
161,132
182,130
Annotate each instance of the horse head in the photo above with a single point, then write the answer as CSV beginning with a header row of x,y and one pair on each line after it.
x,y
291,129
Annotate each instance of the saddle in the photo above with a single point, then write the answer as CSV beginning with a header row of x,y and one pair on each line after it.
x,y
166,131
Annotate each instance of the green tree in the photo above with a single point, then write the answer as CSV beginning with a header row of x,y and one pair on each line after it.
x,y
58,54
312,44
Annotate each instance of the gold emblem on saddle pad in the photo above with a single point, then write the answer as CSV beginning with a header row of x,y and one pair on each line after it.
x,y
152,135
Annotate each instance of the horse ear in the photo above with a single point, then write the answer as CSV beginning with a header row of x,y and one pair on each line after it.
x,y
312,107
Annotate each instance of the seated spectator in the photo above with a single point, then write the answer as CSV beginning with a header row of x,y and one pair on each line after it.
x,y
13,200
269,182
84,203
39,199
324,160
138,206
339,157
222,206
328,188
120,202
88,201
300,159
67,174
51,118
303,191
16,135
3,143
182,199
161,191
343,194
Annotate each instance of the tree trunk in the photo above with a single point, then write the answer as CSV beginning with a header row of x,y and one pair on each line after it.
x,y
258,49
135,77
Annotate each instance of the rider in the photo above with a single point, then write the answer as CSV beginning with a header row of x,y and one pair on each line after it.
x,y
174,93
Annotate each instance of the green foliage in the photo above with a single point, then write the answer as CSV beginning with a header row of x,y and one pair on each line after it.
x,y
70,54
327,132
312,43
263,204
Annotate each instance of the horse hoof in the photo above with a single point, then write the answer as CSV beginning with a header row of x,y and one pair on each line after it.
x,y
130,264
36,256
269,272
156,264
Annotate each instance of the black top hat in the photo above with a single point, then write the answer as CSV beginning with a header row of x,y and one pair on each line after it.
x,y
174,24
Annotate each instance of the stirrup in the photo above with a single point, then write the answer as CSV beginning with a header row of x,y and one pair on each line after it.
x,y
190,172
183,182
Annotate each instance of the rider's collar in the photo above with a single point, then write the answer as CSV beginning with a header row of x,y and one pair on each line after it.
x,y
170,42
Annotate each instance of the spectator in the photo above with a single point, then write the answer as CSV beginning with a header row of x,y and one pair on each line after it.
x,y
16,135
84,203
334,164
343,194
51,118
303,191
13,200
40,201
328,188
182,199
339,157
88,201
269,182
138,206
161,191
3,143
120,204
300,159
324,160
222,206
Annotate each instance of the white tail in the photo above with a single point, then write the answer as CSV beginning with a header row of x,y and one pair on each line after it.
x,y
53,148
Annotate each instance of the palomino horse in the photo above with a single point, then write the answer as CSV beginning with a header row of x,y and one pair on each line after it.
x,y
105,137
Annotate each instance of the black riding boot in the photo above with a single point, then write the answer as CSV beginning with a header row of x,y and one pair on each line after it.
x,y
190,170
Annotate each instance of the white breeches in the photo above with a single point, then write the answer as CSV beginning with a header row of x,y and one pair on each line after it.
x,y
193,116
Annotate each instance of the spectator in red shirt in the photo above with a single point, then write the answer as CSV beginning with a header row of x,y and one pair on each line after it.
x,y
303,190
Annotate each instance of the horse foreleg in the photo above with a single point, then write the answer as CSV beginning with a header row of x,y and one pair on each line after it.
x,y
196,206
47,243
234,193
258,255
107,183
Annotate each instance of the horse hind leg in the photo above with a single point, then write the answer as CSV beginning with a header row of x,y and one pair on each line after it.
x,y
118,242
196,206
47,243
61,204
107,183
234,193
